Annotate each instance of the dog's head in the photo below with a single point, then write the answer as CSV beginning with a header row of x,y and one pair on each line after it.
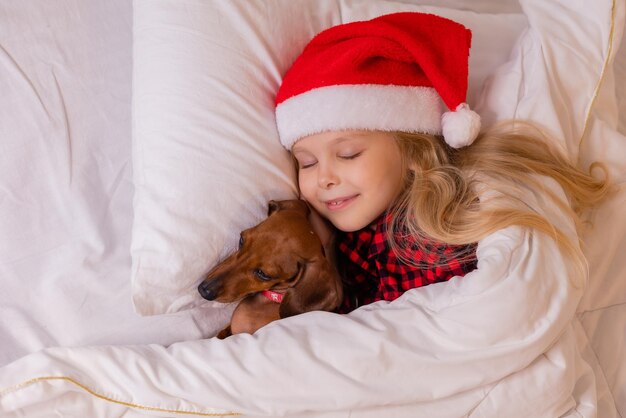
x,y
282,253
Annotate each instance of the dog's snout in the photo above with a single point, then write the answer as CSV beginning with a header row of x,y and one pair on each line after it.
x,y
207,290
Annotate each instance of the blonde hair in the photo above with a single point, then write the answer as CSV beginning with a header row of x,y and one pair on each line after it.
x,y
443,199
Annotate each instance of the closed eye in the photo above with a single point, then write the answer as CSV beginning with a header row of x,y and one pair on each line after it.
x,y
262,275
307,165
350,157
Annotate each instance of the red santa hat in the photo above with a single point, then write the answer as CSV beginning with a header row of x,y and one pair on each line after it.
x,y
397,72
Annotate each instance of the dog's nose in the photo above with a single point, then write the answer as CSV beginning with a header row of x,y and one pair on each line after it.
x,y
207,291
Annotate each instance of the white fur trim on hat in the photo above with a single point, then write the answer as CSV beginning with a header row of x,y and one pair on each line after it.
x,y
359,106
460,128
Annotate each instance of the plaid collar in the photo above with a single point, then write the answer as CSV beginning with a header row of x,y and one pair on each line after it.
x,y
370,241
372,271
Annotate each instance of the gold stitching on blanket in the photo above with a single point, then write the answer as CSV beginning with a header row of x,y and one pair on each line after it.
x,y
106,398
602,74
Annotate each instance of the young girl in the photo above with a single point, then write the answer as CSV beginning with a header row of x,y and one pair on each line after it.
x,y
410,187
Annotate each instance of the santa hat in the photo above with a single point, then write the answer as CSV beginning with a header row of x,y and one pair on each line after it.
x,y
397,72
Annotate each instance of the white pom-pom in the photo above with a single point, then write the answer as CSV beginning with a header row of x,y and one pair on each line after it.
x,y
460,128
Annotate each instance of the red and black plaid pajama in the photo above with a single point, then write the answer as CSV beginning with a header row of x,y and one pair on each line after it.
x,y
372,271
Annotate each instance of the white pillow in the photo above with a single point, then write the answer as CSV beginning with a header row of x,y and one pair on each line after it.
x,y
206,153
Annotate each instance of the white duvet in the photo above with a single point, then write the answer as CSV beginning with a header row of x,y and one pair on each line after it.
x,y
499,342
503,341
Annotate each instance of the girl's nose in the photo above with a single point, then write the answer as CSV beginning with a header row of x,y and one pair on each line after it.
x,y
326,177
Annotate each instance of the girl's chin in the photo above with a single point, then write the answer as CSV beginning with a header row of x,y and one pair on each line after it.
x,y
347,225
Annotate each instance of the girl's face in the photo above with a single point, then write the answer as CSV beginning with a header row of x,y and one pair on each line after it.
x,y
349,177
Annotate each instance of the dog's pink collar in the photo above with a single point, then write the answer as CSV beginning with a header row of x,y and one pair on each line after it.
x,y
273,296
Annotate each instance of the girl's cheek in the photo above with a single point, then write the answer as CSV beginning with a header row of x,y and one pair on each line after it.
x,y
303,186
307,188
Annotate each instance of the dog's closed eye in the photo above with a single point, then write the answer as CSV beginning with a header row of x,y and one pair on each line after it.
x,y
280,256
262,275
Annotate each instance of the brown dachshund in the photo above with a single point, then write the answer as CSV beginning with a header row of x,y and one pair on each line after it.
x,y
279,270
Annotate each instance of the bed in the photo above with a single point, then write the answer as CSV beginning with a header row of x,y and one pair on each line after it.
x,y
137,139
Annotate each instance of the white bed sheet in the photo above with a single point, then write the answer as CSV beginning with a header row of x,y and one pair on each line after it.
x,y
66,194
65,181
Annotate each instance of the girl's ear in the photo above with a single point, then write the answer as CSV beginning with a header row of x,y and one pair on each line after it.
x,y
411,171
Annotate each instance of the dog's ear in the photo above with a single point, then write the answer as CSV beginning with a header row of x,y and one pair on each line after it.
x,y
295,204
272,207
318,288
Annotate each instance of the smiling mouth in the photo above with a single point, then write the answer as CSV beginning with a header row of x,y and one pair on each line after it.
x,y
337,204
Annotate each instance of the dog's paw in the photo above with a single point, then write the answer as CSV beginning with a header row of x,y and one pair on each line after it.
x,y
224,333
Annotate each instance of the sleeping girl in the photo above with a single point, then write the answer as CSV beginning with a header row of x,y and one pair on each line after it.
x,y
389,153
